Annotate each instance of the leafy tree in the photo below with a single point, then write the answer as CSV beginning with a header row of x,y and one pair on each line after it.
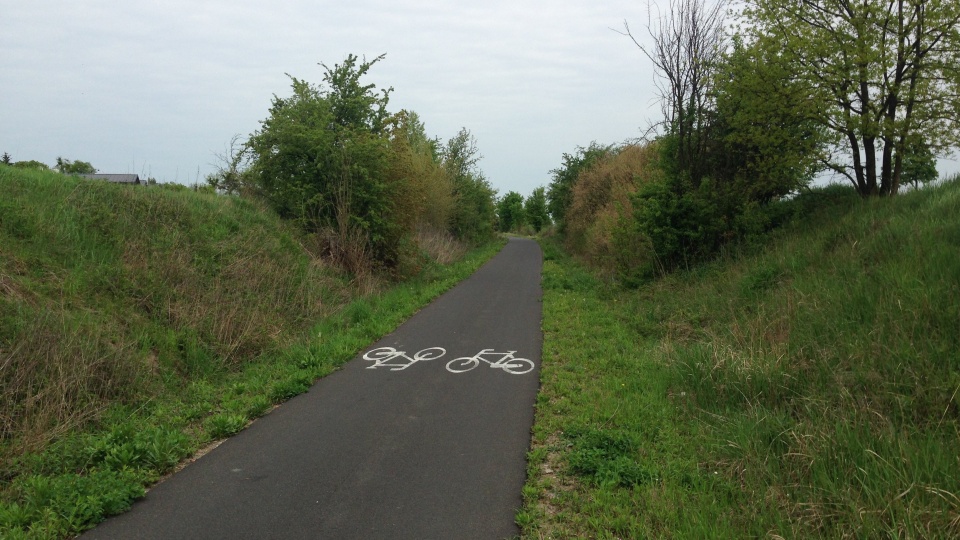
x,y
919,164
321,155
6,159
763,143
560,189
65,166
355,105
475,213
535,209
881,73
510,211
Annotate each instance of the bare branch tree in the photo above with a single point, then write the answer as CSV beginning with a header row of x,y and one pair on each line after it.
x,y
688,41
231,165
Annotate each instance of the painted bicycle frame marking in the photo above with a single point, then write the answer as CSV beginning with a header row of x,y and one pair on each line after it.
x,y
385,357
507,362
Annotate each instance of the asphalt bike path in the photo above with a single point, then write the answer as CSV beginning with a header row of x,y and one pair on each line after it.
x,y
422,436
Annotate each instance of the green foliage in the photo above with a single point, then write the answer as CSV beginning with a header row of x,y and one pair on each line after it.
x,y
65,166
55,500
353,104
879,76
320,158
32,164
6,160
919,164
475,213
225,425
365,182
560,189
749,144
764,143
607,457
683,224
56,507
294,385
535,209
421,190
510,213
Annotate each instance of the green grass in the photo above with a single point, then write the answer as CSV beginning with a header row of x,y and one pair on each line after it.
x,y
138,325
806,388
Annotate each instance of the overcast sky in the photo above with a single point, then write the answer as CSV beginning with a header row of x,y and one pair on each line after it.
x,y
159,88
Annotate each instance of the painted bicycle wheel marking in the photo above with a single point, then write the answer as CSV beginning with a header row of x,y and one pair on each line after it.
x,y
389,357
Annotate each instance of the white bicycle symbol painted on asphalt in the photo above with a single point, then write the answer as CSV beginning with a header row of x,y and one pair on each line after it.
x,y
382,356
507,362
390,357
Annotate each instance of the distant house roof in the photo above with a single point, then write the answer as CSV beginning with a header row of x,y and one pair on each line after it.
x,y
115,178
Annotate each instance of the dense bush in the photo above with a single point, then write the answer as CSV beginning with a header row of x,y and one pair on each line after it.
x,y
421,190
321,156
601,201
560,191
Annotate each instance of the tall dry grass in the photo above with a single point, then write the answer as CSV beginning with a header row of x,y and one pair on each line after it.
x,y
60,372
439,245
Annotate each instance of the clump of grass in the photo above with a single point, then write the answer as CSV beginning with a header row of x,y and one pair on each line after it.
x,y
439,246
224,425
805,387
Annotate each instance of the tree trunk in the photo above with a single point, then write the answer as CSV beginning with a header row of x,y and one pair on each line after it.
x,y
857,163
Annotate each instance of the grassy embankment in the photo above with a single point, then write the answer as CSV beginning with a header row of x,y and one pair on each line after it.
x,y
139,324
805,388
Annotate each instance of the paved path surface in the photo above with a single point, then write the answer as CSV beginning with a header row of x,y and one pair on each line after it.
x,y
384,448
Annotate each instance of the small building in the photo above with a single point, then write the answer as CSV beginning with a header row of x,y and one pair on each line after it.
x,y
114,178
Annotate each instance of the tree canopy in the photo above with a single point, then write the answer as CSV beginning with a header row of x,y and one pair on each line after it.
x,y
510,211
335,160
65,166
884,76
535,209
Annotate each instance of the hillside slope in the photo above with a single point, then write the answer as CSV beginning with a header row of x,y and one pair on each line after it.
x,y
804,388
110,290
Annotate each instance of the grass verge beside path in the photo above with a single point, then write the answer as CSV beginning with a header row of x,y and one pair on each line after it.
x,y
806,390
612,456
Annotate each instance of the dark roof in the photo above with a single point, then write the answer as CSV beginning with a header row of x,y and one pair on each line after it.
x,y
116,178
